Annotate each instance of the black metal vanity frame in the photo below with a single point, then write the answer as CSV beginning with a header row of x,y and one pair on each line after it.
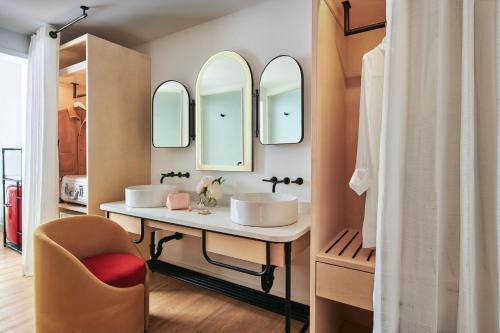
x,y
284,306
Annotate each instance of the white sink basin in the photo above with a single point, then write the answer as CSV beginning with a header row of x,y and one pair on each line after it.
x,y
148,195
264,209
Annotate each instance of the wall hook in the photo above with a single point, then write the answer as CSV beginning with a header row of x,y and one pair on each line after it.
x,y
222,115
286,113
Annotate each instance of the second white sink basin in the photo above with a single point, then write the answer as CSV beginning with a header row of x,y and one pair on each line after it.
x,y
264,209
148,195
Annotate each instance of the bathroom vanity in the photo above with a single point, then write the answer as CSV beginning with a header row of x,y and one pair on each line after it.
x,y
270,247
265,230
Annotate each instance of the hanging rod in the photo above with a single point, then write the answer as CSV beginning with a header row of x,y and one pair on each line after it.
x,y
75,95
54,33
348,31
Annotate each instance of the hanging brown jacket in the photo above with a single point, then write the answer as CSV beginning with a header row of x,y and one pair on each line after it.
x,y
72,134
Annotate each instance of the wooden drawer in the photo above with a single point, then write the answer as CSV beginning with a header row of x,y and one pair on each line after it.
x,y
345,285
252,250
173,228
129,223
244,249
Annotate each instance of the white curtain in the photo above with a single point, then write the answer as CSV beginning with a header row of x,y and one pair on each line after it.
x,y
439,199
40,158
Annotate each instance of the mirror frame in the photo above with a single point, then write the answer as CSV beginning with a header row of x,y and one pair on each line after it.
x,y
257,116
247,117
190,118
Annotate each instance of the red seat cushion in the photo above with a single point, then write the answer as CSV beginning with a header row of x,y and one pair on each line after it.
x,y
117,269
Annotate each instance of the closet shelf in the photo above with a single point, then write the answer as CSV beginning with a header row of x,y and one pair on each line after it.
x,y
346,250
74,208
74,73
73,52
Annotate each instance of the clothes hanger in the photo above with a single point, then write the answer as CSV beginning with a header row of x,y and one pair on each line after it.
x,y
80,105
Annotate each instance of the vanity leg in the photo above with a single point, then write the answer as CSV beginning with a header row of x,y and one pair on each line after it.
x,y
141,237
288,280
152,245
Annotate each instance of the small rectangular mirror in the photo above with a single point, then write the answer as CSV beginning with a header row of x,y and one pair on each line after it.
x,y
170,118
224,114
281,102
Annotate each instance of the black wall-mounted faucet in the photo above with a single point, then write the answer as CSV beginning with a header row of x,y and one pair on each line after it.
x,y
174,174
275,181
286,181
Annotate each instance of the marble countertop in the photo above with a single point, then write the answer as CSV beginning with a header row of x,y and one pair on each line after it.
x,y
218,221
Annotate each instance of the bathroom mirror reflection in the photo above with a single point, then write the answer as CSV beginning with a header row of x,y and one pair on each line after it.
x,y
170,119
224,114
281,102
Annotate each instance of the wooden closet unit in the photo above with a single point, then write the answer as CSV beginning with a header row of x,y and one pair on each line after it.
x,y
342,272
116,83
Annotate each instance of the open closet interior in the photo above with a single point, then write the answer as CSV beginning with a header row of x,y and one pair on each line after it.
x,y
103,123
342,271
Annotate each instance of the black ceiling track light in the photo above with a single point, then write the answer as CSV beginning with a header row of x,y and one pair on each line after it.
x,y
54,33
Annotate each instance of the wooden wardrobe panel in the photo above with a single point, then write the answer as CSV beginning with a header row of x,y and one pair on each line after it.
x,y
119,124
335,112
328,144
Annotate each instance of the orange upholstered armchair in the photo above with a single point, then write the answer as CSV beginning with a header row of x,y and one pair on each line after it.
x,y
74,288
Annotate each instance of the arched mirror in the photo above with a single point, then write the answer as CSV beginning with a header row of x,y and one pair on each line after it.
x,y
170,118
281,102
224,114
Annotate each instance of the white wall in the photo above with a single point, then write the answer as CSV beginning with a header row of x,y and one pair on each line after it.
x,y
12,103
13,43
259,34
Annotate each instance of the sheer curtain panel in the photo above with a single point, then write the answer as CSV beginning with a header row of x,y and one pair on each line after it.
x,y
40,170
438,210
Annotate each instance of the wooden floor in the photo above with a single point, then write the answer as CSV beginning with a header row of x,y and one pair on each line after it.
x,y
175,306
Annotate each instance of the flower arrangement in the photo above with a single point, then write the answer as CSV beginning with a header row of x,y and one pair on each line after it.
x,y
209,191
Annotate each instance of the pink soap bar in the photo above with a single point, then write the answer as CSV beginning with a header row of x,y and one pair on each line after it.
x,y
178,201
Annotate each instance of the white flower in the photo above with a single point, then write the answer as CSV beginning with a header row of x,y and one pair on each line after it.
x,y
214,191
203,184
